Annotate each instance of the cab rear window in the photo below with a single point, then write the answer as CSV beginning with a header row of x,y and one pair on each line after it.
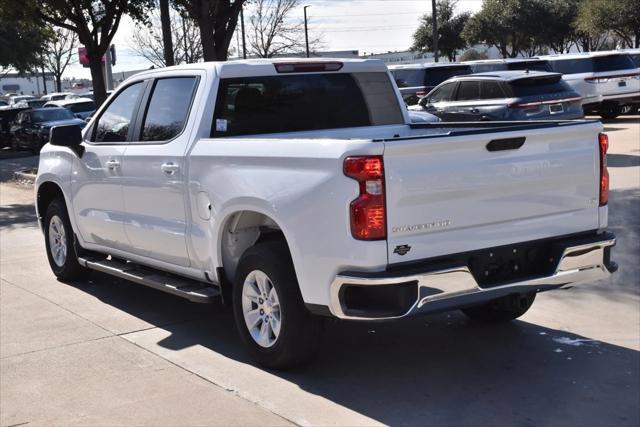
x,y
612,63
275,104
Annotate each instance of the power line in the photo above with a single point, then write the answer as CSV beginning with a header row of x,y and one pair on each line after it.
x,y
364,14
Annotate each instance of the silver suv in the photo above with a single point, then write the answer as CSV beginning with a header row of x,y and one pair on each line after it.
x,y
607,81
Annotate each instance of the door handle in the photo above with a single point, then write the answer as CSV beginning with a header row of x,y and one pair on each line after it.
x,y
170,168
112,164
475,110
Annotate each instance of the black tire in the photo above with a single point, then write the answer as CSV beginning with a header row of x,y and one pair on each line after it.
x,y
299,334
610,112
502,309
68,269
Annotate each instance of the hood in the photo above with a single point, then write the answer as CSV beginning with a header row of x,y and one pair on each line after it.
x,y
53,123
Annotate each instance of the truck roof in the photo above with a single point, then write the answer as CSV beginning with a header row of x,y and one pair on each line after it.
x,y
265,67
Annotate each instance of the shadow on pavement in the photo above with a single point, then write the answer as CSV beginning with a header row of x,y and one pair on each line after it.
x,y
15,163
440,369
622,160
15,215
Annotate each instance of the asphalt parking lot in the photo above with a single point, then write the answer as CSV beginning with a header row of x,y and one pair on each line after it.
x,y
107,352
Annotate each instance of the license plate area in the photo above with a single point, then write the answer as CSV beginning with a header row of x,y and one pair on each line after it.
x,y
622,83
556,108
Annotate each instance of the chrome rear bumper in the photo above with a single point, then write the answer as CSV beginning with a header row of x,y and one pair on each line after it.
x,y
456,287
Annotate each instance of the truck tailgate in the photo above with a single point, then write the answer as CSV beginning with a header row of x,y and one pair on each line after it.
x,y
449,194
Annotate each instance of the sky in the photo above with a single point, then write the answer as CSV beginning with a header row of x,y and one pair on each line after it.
x,y
369,26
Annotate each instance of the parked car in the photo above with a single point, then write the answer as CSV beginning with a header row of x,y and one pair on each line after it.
x,y
607,81
301,189
531,64
88,94
80,107
30,129
18,98
503,95
416,80
55,96
30,103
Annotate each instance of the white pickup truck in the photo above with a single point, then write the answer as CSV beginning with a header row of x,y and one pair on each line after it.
x,y
297,189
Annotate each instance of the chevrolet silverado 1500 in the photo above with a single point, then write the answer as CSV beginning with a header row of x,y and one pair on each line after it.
x,y
297,189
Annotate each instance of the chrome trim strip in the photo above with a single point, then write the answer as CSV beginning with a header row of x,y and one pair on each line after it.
x,y
578,264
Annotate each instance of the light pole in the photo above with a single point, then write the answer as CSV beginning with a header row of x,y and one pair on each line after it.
x,y
434,20
306,32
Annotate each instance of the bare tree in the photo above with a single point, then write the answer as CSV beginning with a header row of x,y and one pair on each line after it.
x,y
147,41
272,32
59,52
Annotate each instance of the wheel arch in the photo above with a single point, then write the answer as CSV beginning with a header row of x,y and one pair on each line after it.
x,y
47,192
241,229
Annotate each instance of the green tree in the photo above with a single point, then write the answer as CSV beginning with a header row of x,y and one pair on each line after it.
x,y
509,25
450,27
94,21
597,18
217,20
22,39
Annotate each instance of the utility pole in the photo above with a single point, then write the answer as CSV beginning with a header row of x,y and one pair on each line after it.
x,y
306,31
244,41
434,24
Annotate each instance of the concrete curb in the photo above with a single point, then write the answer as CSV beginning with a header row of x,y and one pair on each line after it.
x,y
25,177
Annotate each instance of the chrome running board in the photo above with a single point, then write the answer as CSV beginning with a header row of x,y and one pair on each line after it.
x,y
186,288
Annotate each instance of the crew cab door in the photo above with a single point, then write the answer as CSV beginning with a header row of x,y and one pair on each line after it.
x,y
97,175
154,171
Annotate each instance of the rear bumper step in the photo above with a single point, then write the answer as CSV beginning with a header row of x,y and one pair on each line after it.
x,y
190,289
392,294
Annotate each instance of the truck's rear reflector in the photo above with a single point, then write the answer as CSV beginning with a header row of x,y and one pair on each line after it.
x,y
368,211
307,67
603,141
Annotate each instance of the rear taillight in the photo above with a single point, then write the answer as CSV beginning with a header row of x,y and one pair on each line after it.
x,y
603,141
368,216
421,94
596,79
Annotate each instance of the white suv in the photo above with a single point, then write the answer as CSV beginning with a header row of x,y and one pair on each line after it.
x,y
607,81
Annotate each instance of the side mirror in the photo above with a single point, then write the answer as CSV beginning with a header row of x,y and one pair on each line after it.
x,y
424,101
66,136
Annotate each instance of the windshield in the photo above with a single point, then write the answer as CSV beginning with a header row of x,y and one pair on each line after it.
x,y
612,63
538,86
429,77
529,65
51,114
274,104
81,107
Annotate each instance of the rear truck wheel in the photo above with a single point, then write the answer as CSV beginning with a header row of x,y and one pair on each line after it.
x,y
502,309
59,241
610,111
274,325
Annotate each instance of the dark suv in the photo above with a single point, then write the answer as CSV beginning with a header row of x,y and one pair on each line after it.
x,y
505,95
416,80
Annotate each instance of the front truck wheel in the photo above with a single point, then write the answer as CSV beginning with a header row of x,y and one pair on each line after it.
x,y
58,236
502,309
271,318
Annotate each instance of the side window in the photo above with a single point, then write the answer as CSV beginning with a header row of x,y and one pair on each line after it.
x,y
168,109
468,90
113,124
491,90
445,93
